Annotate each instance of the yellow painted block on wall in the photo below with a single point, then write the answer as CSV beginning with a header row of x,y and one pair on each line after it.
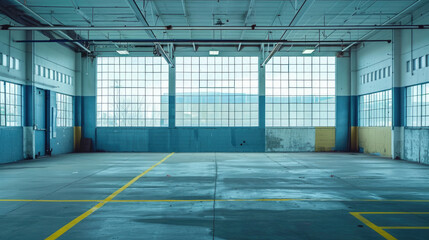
x,y
376,140
325,139
77,137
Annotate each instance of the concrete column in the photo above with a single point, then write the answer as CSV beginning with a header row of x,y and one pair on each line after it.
x,y
261,94
89,101
29,141
343,92
77,103
354,102
172,96
398,98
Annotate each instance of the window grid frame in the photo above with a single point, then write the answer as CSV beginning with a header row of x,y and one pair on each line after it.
x,y
308,119
233,101
11,102
137,83
417,105
64,110
375,109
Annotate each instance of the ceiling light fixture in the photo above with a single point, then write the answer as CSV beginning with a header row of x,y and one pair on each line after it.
x,y
308,51
123,52
214,52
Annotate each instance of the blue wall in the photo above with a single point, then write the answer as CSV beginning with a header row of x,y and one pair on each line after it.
x,y
11,144
342,123
180,139
64,140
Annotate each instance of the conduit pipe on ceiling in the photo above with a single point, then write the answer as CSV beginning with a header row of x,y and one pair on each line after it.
x,y
204,41
210,28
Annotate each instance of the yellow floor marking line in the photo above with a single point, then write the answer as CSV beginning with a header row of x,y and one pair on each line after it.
x,y
372,226
383,213
225,200
404,227
48,200
75,221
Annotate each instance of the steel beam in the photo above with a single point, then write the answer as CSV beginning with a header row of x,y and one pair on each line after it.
x,y
384,24
249,12
41,19
139,15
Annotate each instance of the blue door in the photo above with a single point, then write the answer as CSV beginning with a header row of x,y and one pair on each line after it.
x,y
40,121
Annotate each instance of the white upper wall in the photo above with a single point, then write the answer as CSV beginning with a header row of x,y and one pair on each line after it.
x,y
50,55
374,56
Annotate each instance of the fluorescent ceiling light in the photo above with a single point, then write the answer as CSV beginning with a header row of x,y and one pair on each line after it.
x,y
123,52
308,51
214,52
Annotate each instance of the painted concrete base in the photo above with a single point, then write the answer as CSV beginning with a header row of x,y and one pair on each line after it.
x,y
398,142
29,139
11,148
375,140
290,139
416,146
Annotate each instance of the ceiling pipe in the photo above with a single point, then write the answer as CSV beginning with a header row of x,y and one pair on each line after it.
x,y
387,22
210,28
41,19
157,41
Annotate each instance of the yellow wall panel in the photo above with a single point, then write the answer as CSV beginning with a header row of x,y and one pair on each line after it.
x,y
77,137
354,141
376,140
325,139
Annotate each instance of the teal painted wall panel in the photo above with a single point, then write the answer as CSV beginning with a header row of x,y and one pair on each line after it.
x,y
180,139
342,122
11,144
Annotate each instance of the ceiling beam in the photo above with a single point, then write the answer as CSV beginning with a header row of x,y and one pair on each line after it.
x,y
249,12
369,34
139,15
298,15
44,21
185,13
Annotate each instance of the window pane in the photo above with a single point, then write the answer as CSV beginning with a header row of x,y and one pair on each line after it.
x,y
217,91
12,113
375,109
300,92
64,110
132,92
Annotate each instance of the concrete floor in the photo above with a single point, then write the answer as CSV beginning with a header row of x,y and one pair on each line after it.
x,y
258,196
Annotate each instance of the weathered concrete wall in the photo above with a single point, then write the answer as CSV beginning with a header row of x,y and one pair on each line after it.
x,y
375,140
416,145
290,139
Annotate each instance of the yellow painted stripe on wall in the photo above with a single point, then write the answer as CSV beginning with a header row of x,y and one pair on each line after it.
x,y
376,140
77,137
325,139
354,141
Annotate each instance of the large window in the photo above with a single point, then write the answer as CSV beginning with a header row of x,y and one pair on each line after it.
x,y
375,109
132,91
217,91
300,91
10,104
64,110
418,105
